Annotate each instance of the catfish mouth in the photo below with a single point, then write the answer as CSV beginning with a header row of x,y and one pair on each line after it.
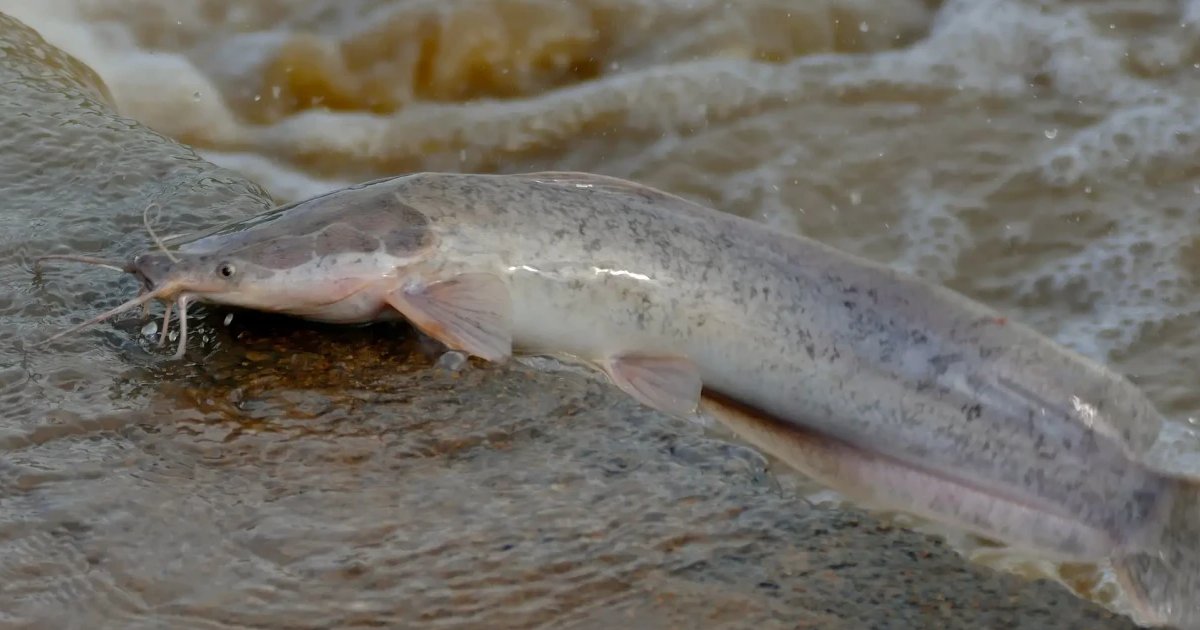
x,y
147,285
151,270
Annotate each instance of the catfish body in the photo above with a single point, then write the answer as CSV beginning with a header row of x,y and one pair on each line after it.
x,y
973,418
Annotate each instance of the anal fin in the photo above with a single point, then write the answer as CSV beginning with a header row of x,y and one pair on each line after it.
x,y
878,482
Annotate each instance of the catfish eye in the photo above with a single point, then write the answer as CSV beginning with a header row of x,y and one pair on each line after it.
x,y
226,269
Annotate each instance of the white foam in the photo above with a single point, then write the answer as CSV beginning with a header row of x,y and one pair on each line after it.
x,y
285,184
999,45
1129,137
936,233
161,89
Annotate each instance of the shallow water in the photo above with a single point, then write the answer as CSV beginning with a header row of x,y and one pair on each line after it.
x,y
1036,155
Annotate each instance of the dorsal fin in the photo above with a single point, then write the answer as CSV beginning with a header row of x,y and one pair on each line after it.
x,y
617,186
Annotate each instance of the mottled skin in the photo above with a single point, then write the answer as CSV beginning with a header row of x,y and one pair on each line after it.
x,y
968,416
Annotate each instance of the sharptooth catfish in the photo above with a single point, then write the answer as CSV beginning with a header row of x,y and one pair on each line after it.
x,y
873,379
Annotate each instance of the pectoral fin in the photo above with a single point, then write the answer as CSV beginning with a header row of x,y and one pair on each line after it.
x,y
669,384
470,312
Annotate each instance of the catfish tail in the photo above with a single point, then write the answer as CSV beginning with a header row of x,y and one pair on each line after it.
x,y
1163,582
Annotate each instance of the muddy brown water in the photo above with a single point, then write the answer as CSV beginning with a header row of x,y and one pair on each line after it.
x,y
1034,155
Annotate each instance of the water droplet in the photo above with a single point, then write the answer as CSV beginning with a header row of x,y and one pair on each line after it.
x,y
150,329
275,90
863,27
257,97
228,319
1051,134
1087,190
855,197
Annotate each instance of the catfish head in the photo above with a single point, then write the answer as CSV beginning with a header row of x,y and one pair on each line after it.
x,y
172,278
168,275
296,259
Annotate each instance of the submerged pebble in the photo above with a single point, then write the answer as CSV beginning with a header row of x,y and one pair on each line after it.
x,y
452,361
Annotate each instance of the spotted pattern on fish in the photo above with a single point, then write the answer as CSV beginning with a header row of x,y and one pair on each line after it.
x,y
596,266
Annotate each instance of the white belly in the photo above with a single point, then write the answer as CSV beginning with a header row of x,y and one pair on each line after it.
x,y
360,308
